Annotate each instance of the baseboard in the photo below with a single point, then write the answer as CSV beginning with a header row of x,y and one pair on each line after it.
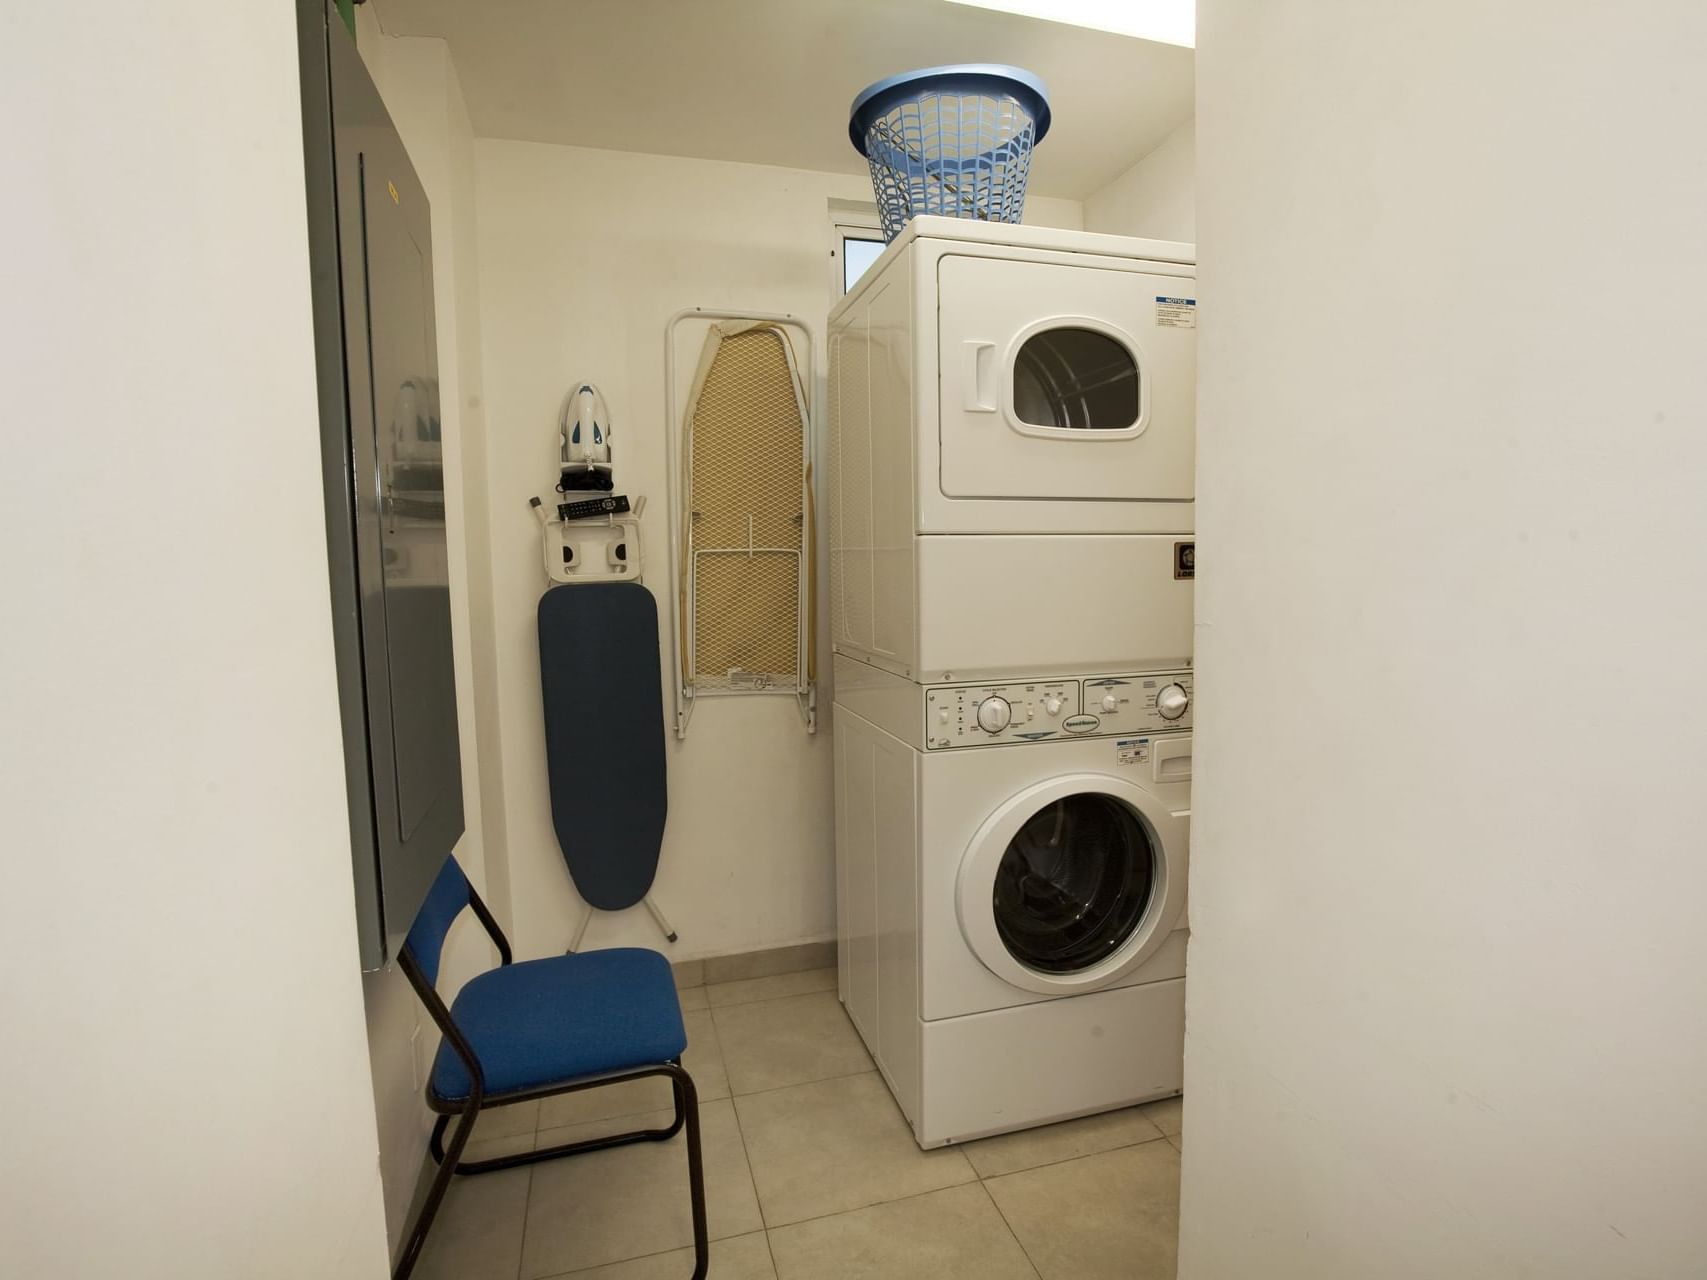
x,y
755,964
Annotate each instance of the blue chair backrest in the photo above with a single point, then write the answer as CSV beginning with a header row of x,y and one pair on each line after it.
x,y
445,901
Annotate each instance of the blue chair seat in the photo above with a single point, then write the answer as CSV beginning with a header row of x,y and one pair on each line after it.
x,y
543,1022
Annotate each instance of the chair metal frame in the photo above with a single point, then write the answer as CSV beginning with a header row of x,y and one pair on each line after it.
x,y
450,1160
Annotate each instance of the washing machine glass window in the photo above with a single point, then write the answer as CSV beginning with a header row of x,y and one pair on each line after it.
x,y
1076,379
1074,883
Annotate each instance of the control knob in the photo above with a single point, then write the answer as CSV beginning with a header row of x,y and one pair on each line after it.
x,y
1171,702
1052,704
994,714
1110,702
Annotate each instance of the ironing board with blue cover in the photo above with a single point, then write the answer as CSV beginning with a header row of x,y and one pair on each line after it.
x,y
604,737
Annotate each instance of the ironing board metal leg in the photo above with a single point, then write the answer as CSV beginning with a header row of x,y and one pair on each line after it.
x,y
657,915
581,931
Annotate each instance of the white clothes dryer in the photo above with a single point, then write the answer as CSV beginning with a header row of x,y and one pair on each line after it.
x,y
1013,405
1011,863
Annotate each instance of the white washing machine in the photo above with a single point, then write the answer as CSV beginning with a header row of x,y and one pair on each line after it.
x,y
1011,874
1013,405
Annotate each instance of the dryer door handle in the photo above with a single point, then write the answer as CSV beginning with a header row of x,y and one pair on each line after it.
x,y
980,357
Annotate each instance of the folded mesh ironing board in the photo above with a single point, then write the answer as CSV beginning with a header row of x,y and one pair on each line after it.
x,y
604,737
746,556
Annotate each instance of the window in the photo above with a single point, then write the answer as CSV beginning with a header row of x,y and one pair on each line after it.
x,y
856,241
1077,379
857,255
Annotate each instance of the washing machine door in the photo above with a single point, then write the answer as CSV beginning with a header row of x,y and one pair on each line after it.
x,y
1073,883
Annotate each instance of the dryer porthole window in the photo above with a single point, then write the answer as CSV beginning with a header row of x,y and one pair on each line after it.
x,y
1076,379
1074,884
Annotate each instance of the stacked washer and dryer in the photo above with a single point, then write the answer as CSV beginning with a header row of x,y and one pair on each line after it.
x,y
1012,414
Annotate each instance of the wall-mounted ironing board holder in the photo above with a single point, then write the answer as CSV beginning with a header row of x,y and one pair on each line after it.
x,y
688,556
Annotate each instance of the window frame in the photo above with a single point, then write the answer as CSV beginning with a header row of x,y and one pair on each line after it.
x,y
849,224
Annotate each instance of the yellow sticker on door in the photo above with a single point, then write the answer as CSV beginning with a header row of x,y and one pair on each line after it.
x,y
392,187
1176,313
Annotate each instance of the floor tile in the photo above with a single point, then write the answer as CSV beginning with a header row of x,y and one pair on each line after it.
x,y
477,1234
693,999
1168,1114
1113,1216
703,1060
835,1145
609,1206
783,984
497,1133
791,1041
504,1122
688,973
1010,1152
1177,1141
955,1234
741,1258
488,1148
762,964
480,1148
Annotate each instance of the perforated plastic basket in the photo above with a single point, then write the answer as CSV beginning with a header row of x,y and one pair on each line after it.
x,y
954,141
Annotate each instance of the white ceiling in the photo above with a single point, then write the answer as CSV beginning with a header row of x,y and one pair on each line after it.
x,y
770,81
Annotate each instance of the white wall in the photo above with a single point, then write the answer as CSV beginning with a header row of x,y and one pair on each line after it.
x,y
1448,1002
1156,197
418,83
183,1047
584,255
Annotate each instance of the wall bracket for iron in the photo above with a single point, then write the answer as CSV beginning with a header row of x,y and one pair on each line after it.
x,y
600,548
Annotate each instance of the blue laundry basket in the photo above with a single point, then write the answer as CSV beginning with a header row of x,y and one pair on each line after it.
x,y
954,141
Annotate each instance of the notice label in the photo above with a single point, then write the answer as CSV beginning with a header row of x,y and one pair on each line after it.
x,y
1176,313
1131,750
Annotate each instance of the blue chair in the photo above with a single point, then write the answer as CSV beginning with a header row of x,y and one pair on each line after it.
x,y
539,1028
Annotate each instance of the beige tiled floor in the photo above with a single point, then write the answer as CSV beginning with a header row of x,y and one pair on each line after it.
x,y
811,1173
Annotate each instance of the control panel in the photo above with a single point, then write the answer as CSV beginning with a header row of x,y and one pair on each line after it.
x,y
982,715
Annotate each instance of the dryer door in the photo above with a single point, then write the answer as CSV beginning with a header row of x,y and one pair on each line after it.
x,y
1073,883
1066,381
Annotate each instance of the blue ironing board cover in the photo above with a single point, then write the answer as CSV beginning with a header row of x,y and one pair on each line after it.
x,y
604,736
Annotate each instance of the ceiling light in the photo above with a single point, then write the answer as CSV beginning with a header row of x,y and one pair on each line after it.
x,y
1165,21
